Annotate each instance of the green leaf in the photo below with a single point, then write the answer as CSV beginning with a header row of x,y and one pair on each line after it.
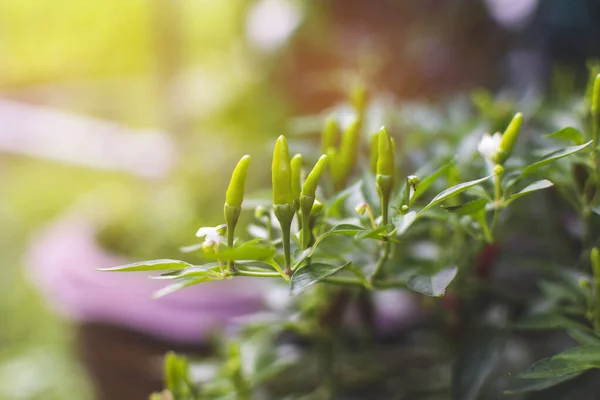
x,y
553,156
469,208
535,186
429,180
434,285
574,360
546,321
182,284
378,233
404,222
568,133
453,191
196,271
535,385
584,337
154,265
311,274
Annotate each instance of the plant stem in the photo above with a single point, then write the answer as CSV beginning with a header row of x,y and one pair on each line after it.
x,y
371,216
380,262
342,280
256,274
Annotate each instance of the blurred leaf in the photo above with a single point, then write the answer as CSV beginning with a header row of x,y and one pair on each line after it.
x,y
247,251
475,363
196,271
311,274
468,208
182,284
546,321
568,362
535,385
568,133
154,265
584,337
535,186
553,156
453,191
434,285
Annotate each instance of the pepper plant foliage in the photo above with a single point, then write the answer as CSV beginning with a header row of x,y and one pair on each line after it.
x,y
379,212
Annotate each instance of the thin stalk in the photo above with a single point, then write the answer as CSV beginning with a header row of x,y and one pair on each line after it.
x,y
380,262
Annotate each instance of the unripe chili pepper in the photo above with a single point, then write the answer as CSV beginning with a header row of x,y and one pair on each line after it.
x,y
283,200
385,171
234,199
330,134
596,97
281,172
307,198
296,165
509,138
373,147
358,99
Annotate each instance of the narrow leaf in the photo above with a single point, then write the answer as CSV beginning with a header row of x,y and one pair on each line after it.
x,y
568,133
535,385
311,274
154,265
535,186
574,360
469,208
545,321
429,180
434,285
584,337
182,284
453,191
404,222
553,156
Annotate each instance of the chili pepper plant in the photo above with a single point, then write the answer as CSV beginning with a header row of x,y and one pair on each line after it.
x,y
488,240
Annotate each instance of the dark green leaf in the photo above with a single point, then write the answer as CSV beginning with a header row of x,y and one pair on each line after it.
x,y
584,337
453,191
469,208
546,321
311,274
154,265
568,133
574,360
404,222
553,156
534,385
433,285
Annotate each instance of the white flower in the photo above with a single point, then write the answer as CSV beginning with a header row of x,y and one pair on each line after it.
x,y
210,235
489,146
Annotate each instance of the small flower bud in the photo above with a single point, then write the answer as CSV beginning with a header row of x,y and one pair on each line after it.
x,y
404,209
498,170
317,208
208,246
361,208
413,181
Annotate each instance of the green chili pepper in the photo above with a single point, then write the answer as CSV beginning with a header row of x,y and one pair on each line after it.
x,y
596,97
330,134
237,184
296,165
281,172
509,138
283,199
234,199
358,99
307,198
385,171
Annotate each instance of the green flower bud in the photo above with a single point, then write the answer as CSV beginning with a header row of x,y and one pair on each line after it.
x,y
313,178
330,134
296,165
237,184
361,209
404,209
413,181
281,172
385,153
509,138
498,170
317,208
